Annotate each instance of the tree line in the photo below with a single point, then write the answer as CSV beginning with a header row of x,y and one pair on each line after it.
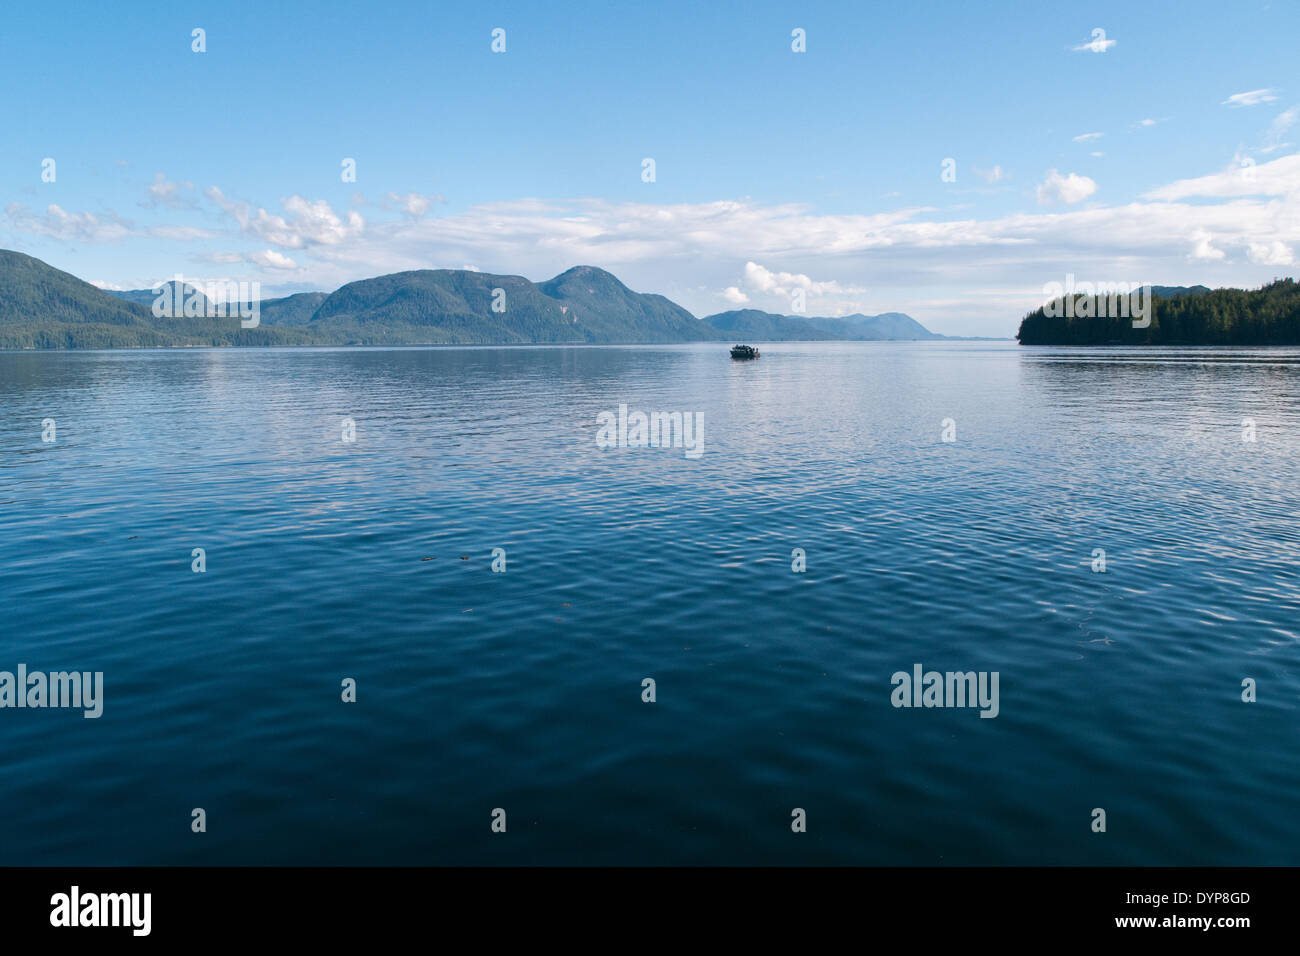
x,y
1266,316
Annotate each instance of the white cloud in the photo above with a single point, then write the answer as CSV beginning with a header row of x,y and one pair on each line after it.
x,y
1067,189
412,205
780,288
58,224
1277,130
270,259
1203,248
181,233
1270,253
1252,98
990,176
1088,137
310,223
1146,122
106,286
1244,177
686,251
783,284
266,258
1098,43
164,192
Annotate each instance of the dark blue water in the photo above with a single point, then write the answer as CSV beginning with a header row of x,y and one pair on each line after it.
x,y
522,690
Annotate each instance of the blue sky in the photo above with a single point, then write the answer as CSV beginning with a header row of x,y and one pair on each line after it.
x,y
1124,158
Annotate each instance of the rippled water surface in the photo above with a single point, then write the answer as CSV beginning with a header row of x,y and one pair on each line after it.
x,y
477,690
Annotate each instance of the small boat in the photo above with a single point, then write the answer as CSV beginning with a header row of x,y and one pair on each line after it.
x,y
744,352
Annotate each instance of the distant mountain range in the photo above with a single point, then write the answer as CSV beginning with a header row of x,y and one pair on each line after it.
x,y
1169,291
766,327
44,308
146,296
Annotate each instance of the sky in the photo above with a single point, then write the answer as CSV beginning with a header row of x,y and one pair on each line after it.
x,y
945,159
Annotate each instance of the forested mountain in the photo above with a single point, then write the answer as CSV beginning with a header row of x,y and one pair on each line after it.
x,y
168,290
43,307
292,309
1195,316
583,305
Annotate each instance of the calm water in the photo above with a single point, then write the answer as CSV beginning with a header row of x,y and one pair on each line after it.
x,y
522,690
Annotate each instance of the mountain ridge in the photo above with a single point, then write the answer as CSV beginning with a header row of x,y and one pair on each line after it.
x,y
773,327
42,307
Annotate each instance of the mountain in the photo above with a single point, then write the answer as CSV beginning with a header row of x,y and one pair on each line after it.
x,y
583,305
32,292
604,307
1269,315
44,307
147,297
768,327
291,309
764,326
1169,291
887,326
442,306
